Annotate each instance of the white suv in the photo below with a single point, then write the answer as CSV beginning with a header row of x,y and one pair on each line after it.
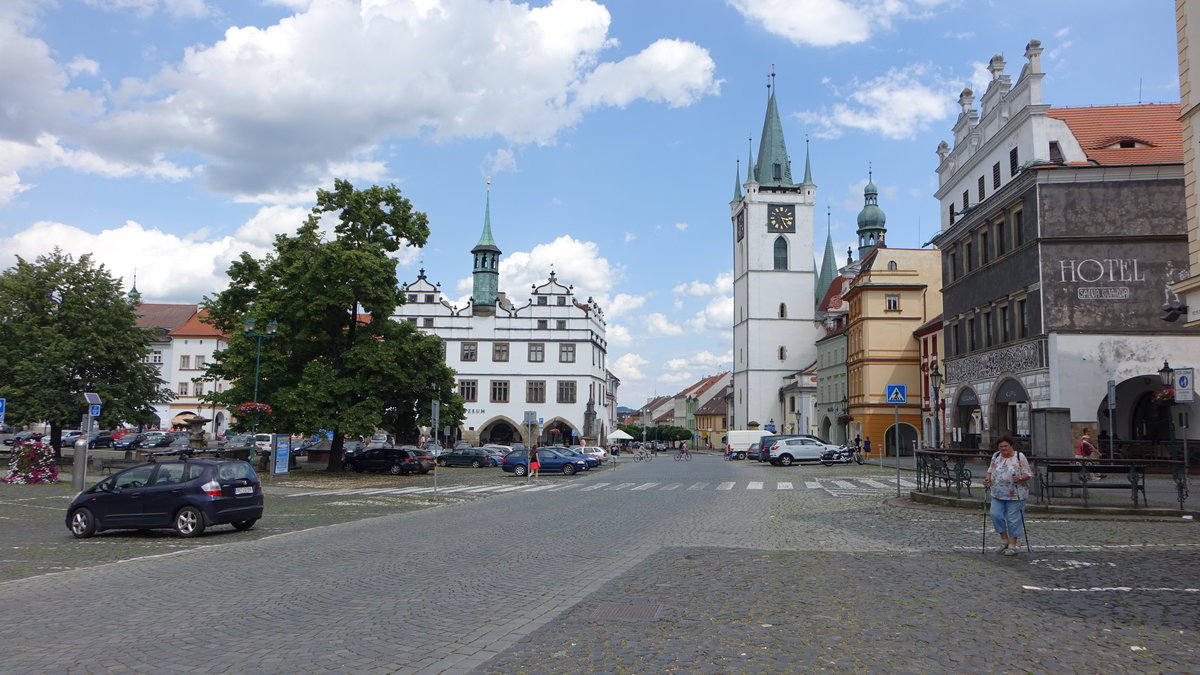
x,y
788,451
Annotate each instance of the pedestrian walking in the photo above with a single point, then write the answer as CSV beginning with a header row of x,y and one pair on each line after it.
x,y
858,442
534,464
1085,450
1008,483
867,446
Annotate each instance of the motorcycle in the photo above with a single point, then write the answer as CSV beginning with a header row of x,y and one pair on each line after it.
x,y
843,455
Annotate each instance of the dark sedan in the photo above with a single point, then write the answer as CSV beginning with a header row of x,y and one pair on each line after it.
x,y
396,461
184,495
100,439
23,436
472,457
517,462
155,439
129,442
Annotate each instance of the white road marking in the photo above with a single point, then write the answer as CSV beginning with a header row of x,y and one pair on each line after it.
x,y
645,486
1113,589
783,485
812,484
875,483
622,486
698,486
725,486
755,485
672,486
845,484
597,486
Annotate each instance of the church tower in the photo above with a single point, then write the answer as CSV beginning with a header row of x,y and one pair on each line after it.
x,y
871,220
486,272
775,327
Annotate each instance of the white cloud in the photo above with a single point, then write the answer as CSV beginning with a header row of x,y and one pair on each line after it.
x,y
717,315
618,336
169,268
575,263
681,226
676,377
658,324
630,367
263,111
895,105
623,303
825,23
629,236
723,283
262,227
80,64
502,160
143,8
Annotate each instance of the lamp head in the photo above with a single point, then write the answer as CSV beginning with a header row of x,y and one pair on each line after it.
x,y
1166,374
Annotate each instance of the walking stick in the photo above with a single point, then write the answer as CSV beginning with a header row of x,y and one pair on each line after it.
x,y
1026,531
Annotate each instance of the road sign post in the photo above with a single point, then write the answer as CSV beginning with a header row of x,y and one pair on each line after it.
x,y
897,394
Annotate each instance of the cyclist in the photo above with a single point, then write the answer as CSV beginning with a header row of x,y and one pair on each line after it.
x,y
683,452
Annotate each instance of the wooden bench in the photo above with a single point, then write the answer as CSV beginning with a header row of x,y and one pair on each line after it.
x,y
108,466
1134,479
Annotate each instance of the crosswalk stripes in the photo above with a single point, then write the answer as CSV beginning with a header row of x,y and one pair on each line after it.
x,y
841,487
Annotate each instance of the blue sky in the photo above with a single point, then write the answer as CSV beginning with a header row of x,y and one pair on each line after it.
x,y
168,136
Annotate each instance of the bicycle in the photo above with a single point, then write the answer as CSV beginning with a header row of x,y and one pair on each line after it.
x,y
683,456
642,456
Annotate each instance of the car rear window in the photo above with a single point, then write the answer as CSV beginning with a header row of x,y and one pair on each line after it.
x,y
234,471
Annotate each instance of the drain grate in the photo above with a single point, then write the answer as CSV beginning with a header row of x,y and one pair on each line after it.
x,y
627,611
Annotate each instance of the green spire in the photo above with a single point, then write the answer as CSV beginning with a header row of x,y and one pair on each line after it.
x,y
807,166
737,183
486,274
828,262
750,177
485,239
774,167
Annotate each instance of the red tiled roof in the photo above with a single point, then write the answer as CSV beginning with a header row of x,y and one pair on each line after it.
x,y
194,327
1099,128
165,317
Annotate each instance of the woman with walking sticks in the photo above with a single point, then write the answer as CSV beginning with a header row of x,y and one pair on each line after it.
x,y
1008,481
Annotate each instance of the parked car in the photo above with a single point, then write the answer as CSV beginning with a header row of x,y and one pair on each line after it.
x,y
379,441
128,441
423,458
157,439
233,441
462,444
767,441
100,439
184,495
351,448
472,457
433,448
788,451
23,436
517,462
599,453
575,451
396,461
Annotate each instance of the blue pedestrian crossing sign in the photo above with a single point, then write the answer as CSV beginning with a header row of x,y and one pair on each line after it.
x,y
897,393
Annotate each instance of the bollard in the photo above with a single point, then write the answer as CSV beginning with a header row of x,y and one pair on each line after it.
x,y
79,463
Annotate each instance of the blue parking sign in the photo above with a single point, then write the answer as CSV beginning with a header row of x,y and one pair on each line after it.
x,y
94,410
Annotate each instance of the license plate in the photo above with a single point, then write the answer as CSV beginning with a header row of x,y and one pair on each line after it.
x,y
247,490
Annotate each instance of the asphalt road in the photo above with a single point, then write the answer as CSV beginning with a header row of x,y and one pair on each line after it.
x,y
700,567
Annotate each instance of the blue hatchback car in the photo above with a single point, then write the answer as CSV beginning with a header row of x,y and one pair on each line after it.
x,y
184,495
517,462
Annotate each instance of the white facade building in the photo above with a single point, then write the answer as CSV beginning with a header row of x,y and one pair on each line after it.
x,y
775,325
182,347
547,356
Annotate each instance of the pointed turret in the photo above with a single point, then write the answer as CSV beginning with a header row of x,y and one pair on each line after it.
x,y
807,167
486,272
750,177
871,219
774,167
828,262
737,182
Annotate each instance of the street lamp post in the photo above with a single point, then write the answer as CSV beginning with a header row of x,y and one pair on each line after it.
x,y
935,380
846,414
1178,468
272,326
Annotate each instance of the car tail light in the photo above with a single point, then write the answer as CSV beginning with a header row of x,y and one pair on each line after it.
x,y
212,488
775,447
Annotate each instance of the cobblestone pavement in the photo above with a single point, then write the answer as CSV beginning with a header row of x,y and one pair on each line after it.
x,y
726,581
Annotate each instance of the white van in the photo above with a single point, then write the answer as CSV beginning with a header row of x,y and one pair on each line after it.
x,y
740,440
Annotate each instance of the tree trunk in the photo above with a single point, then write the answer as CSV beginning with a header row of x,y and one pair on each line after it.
x,y
336,446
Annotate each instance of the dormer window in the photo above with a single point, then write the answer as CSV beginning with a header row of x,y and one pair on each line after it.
x,y
562,300
778,171
542,300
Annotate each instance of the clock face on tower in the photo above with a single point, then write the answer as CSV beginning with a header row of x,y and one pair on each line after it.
x,y
781,217
741,224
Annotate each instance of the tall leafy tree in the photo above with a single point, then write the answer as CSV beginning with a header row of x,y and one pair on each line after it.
x,y
65,329
337,360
